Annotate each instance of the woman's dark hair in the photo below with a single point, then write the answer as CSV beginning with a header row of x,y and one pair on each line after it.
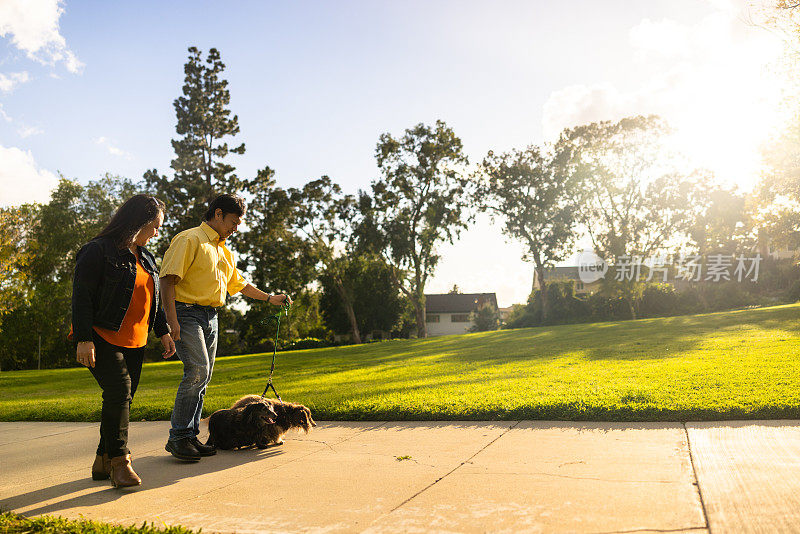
x,y
136,213
228,204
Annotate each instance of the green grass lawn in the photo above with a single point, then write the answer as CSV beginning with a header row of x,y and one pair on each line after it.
x,y
17,524
728,365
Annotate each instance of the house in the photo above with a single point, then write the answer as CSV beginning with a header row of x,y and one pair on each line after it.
x,y
503,313
779,253
449,313
560,274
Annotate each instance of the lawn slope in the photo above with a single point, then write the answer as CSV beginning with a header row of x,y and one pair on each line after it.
x,y
728,365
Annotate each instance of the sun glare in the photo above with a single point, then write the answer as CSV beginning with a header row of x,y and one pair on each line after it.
x,y
737,106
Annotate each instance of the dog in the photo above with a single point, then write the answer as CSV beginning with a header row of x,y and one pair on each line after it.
x,y
288,416
240,426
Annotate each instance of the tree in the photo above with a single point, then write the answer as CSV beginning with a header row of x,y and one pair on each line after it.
x,y
635,200
72,217
535,192
324,215
272,255
204,122
419,203
486,318
782,16
722,222
376,303
304,320
778,214
16,226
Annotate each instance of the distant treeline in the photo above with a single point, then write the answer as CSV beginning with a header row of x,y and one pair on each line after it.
x,y
357,264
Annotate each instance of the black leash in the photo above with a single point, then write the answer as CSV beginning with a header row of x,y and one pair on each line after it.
x,y
277,317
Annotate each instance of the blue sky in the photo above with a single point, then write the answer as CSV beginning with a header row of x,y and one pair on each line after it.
x,y
315,83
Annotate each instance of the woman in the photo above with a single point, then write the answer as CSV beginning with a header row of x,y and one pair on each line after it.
x,y
115,304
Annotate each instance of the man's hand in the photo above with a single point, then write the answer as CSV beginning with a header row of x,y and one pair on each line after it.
x,y
85,353
168,344
280,299
175,330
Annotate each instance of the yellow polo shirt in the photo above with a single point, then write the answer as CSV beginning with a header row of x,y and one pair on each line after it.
x,y
205,267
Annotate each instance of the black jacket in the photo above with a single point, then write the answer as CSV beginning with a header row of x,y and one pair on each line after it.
x,y
103,286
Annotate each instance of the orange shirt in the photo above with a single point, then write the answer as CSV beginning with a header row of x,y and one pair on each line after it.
x,y
135,326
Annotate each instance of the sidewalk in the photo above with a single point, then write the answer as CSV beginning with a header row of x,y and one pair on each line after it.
x,y
528,476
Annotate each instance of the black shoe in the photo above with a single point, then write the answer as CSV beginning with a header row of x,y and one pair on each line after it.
x,y
183,449
204,450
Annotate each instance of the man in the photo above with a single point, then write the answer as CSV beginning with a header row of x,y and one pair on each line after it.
x,y
198,269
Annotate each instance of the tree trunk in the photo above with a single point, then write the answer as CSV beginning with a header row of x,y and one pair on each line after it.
x,y
543,293
348,308
419,308
419,304
629,300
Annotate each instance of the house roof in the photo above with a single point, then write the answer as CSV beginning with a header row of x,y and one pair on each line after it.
x,y
562,273
458,302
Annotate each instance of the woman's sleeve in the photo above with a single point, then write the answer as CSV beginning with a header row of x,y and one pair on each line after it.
x,y
85,284
160,327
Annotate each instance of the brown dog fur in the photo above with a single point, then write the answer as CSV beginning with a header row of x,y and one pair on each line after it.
x,y
240,427
288,416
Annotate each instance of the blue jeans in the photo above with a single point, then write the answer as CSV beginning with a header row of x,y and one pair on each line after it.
x,y
196,349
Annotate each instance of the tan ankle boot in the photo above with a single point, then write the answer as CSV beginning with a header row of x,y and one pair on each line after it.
x,y
101,467
122,473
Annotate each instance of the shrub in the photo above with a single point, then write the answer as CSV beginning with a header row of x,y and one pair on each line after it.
x,y
307,343
485,318
658,300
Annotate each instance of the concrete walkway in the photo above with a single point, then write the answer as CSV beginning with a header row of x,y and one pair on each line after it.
x,y
516,476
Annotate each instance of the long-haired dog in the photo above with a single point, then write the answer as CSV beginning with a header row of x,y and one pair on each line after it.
x,y
241,426
288,416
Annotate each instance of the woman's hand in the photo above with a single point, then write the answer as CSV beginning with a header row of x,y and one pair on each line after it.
x,y
85,353
168,344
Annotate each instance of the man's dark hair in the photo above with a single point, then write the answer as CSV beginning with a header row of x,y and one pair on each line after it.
x,y
136,213
228,204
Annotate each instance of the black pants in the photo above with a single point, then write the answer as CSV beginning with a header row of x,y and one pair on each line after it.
x,y
117,370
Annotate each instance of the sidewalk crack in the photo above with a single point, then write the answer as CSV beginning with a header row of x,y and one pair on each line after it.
x,y
652,530
426,488
87,425
696,478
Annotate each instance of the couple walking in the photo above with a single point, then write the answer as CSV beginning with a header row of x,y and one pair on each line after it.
x,y
119,295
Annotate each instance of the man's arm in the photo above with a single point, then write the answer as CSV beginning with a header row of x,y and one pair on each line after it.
x,y
168,298
254,293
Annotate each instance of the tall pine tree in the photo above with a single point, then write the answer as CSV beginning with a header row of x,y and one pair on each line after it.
x,y
204,124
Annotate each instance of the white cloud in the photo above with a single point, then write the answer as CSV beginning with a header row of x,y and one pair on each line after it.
x,y
9,81
665,38
21,179
4,115
27,131
111,148
582,104
33,27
